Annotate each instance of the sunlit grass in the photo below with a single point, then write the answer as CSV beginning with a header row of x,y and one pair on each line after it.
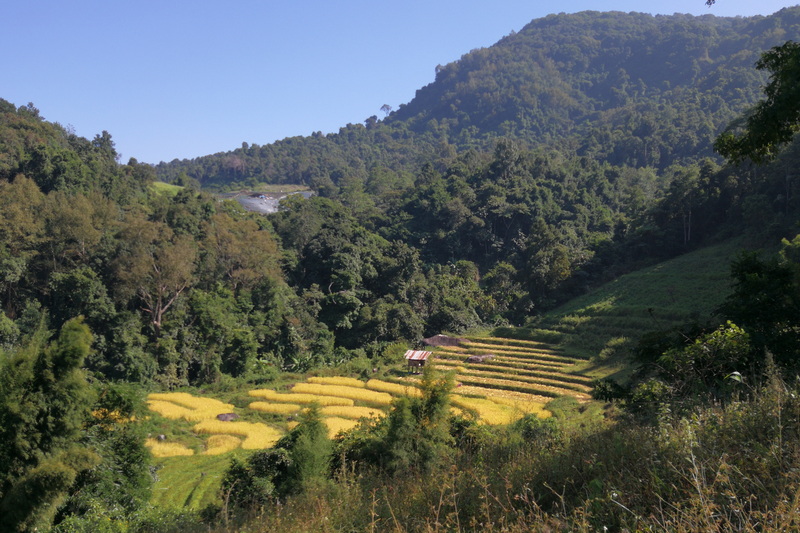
x,y
190,482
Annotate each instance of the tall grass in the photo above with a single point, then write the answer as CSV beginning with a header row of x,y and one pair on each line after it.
x,y
731,468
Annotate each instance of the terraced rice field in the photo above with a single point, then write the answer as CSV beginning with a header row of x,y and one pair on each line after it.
x,y
224,436
510,379
518,380
509,365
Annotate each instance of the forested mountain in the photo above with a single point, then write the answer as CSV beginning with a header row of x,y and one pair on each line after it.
x,y
629,89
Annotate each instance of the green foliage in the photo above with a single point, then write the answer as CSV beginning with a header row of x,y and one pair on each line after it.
x,y
766,303
33,499
416,436
309,454
773,122
299,462
44,402
120,482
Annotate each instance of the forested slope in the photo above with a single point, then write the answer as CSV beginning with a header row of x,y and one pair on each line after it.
x,y
630,89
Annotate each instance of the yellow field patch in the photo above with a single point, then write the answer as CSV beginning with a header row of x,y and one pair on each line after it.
x,y
337,425
196,403
488,412
293,397
176,405
473,390
354,393
219,444
337,380
352,412
257,436
168,409
167,449
276,408
395,389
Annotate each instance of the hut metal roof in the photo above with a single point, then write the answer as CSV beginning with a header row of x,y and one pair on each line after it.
x,y
417,355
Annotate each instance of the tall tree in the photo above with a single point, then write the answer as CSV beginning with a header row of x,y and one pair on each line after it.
x,y
773,122
44,402
157,267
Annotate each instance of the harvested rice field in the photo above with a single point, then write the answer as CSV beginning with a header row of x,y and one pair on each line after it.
x,y
224,436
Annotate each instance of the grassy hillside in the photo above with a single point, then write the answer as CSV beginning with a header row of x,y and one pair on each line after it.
x,y
600,327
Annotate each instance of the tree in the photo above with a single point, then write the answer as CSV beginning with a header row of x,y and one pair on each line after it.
x,y
766,303
773,122
44,402
157,267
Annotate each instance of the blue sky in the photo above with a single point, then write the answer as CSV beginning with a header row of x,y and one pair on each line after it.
x,y
180,79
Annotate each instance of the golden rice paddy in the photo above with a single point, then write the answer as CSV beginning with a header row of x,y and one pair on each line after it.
x,y
472,390
169,409
219,444
488,412
395,389
341,391
276,408
177,405
257,436
336,425
167,449
352,412
528,408
293,397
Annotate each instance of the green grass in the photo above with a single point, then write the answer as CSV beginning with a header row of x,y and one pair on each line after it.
x,y
191,482
165,188
601,327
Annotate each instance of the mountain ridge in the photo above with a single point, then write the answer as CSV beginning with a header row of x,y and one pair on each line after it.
x,y
607,85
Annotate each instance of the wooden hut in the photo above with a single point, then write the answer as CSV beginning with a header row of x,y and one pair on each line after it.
x,y
416,359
